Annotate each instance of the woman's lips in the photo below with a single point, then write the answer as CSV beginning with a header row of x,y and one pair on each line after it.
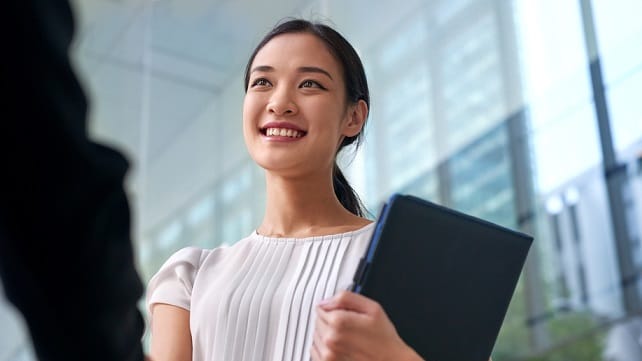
x,y
282,131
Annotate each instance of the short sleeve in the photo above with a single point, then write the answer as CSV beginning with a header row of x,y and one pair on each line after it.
x,y
173,283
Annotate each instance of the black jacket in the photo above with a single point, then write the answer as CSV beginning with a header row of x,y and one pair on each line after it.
x,y
66,258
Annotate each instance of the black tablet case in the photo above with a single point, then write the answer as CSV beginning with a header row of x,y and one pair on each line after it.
x,y
444,278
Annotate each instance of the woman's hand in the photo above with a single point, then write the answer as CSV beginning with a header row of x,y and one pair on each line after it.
x,y
352,327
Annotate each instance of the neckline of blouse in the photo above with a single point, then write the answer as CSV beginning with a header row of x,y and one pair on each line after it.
x,y
354,232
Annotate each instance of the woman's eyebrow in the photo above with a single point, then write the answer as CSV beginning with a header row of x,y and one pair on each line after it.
x,y
265,68
314,69
303,69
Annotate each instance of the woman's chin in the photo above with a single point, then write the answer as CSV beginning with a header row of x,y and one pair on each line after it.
x,y
276,165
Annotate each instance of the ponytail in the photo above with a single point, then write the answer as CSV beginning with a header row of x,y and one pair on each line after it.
x,y
344,192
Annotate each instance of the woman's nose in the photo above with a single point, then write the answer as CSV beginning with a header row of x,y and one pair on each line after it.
x,y
281,103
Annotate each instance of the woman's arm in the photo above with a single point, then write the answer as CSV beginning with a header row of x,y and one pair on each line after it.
x,y
171,337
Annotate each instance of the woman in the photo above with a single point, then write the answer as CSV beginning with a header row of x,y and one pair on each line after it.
x,y
278,293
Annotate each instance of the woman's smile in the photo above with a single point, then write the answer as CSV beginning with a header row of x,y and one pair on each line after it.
x,y
282,132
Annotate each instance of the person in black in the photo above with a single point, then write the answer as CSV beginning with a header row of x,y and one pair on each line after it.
x,y
66,258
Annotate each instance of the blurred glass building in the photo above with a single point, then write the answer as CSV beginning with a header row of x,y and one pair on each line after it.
x,y
525,113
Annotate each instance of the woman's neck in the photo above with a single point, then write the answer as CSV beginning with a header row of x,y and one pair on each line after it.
x,y
303,207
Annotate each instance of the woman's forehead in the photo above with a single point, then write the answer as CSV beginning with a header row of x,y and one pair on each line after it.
x,y
296,49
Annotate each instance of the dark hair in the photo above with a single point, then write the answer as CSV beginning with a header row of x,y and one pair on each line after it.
x,y
356,89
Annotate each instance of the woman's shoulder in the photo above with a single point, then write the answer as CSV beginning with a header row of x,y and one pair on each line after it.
x,y
182,263
364,233
173,282
185,262
358,227
366,227
189,254
196,255
362,230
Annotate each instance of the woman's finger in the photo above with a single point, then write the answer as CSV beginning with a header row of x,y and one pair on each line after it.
x,y
346,300
340,320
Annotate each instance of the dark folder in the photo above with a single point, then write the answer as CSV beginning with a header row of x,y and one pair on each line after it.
x,y
444,278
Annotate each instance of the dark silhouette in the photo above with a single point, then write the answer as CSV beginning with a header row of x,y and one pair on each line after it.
x,y
66,258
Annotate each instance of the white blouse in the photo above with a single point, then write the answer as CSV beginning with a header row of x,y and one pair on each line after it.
x,y
255,300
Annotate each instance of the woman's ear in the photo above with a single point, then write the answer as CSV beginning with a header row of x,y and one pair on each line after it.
x,y
357,114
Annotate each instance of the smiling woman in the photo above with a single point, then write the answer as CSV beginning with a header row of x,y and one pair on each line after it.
x,y
303,95
277,294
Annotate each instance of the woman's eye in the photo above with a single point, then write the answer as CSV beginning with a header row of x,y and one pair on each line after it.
x,y
311,84
260,82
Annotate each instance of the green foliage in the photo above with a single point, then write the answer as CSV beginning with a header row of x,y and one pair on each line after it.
x,y
573,335
513,336
584,341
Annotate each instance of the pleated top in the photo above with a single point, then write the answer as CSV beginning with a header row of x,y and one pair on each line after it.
x,y
255,300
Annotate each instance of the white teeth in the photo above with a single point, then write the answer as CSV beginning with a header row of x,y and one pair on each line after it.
x,y
283,132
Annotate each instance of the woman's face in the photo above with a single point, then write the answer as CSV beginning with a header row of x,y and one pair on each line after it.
x,y
295,111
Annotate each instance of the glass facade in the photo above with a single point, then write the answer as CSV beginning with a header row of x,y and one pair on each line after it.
x,y
525,113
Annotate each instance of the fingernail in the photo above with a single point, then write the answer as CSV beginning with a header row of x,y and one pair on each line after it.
x,y
324,302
